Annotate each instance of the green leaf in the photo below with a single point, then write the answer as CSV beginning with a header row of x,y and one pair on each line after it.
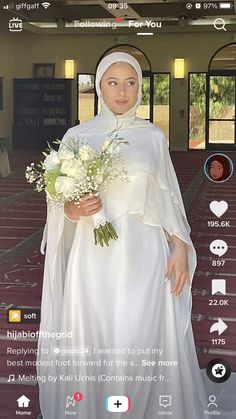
x,y
50,180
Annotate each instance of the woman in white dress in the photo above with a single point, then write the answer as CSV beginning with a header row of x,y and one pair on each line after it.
x,y
122,309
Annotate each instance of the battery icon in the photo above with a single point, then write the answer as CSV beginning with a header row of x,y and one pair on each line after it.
x,y
225,6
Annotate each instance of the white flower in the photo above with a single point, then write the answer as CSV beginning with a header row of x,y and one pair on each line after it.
x,y
72,168
86,152
98,179
65,153
51,161
65,185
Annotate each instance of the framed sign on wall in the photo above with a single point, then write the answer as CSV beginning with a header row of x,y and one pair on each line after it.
x,y
44,71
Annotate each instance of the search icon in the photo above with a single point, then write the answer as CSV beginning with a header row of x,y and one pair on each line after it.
x,y
219,24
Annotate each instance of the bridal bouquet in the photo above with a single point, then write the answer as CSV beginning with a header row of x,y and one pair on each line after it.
x,y
77,169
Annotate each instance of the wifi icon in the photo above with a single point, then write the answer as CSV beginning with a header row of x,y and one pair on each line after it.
x,y
46,4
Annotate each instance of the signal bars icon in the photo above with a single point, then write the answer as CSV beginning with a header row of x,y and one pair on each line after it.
x,y
9,6
46,4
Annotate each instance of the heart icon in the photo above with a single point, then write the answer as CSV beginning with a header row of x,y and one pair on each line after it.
x,y
218,207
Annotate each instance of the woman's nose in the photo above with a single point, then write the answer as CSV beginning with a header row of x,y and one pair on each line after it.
x,y
122,90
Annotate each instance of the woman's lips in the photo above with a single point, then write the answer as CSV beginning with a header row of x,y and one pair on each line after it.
x,y
121,102
216,176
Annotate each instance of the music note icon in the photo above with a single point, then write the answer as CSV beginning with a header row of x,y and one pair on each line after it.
x,y
11,378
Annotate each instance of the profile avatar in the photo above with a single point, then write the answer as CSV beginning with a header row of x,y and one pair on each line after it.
x,y
218,168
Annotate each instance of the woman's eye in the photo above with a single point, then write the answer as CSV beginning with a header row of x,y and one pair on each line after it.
x,y
131,83
112,83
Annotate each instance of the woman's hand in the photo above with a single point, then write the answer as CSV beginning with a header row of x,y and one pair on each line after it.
x,y
88,205
178,266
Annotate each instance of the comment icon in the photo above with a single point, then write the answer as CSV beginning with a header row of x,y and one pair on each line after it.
x,y
218,247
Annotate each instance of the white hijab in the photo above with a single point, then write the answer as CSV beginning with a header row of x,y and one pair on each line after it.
x,y
106,116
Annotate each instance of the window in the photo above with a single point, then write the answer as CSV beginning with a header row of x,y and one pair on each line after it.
x,y
197,110
86,97
144,108
222,109
161,102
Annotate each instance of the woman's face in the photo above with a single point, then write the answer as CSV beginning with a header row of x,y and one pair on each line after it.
x,y
119,87
216,170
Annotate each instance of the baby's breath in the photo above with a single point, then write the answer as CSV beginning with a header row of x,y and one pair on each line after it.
x,y
77,169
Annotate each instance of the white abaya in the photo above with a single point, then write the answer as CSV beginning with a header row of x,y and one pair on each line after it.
x,y
113,302
116,297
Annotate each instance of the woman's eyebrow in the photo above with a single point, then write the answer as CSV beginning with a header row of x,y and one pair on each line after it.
x,y
117,78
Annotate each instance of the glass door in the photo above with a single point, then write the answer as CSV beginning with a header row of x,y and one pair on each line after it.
x,y
221,126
